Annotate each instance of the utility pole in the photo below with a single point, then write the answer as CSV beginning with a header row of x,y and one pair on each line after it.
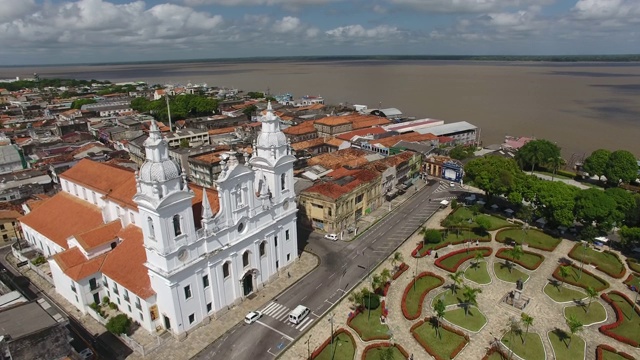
x,y
166,97
333,349
308,350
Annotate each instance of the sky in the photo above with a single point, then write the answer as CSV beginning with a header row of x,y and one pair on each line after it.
x,y
90,31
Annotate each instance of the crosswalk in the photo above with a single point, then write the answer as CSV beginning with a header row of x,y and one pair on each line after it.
x,y
281,313
443,186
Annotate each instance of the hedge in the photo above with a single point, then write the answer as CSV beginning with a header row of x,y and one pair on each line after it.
x,y
493,350
616,276
606,329
384,345
317,351
499,254
409,287
486,251
602,348
401,269
446,327
556,275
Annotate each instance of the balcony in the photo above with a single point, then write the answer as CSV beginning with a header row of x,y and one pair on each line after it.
x,y
95,286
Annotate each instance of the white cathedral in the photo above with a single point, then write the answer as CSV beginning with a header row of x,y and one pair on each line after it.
x,y
171,255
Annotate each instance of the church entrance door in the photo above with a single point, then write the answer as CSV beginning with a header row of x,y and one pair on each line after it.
x,y
247,284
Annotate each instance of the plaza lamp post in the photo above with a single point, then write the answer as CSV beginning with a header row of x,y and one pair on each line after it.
x,y
332,347
308,350
415,277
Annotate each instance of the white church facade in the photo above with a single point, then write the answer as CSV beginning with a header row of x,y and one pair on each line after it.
x,y
170,254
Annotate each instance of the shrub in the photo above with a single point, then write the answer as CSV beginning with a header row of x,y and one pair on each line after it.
x,y
401,269
112,306
454,203
105,300
432,236
119,324
602,348
94,306
39,260
371,301
384,345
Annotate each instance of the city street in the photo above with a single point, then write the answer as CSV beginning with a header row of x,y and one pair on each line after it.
x,y
342,266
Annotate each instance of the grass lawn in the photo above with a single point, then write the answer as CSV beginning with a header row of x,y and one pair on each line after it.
x,y
454,236
532,349
466,214
478,273
502,272
630,321
634,280
562,293
559,340
449,298
422,286
605,261
345,349
443,346
450,262
585,280
608,355
474,321
534,238
370,327
376,353
496,356
587,316
633,264
530,260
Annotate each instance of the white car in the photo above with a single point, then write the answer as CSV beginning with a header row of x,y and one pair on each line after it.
x,y
332,237
252,317
86,354
452,184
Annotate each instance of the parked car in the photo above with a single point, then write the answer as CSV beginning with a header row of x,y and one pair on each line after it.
x,y
86,354
252,317
452,184
332,237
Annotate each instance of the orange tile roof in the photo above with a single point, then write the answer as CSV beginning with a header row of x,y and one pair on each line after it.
x,y
62,216
210,158
76,265
334,191
196,202
99,236
125,263
225,130
9,214
362,132
123,194
302,128
337,159
334,120
308,144
410,137
334,142
363,124
91,174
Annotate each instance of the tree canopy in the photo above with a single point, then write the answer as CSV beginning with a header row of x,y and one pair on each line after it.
x,y
622,166
77,104
495,175
462,152
538,153
595,163
182,106
595,206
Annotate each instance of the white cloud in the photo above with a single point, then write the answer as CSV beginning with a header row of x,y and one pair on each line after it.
x,y
380,32
465,6
287,24
284,3
609,10
12,9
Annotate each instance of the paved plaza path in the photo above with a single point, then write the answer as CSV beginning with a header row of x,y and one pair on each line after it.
x,y
547,314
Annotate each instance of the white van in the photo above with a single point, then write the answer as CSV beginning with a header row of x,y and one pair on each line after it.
x,y
298,314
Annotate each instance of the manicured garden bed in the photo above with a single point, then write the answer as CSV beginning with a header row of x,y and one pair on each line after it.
x,y
442,345
466,214
502,272
605,261
375,351
606,352
452,238
559,340
634,264
633,280
532,349
584,281
495,353
625,329
413,298
533,238
401,269
559,293
449,298
528,260
478,273
473,321
452,261
344,347
368,326
587,315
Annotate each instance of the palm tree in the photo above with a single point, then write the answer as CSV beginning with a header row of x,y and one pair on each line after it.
x,y
397,258
591,294
574,326
554,163
515,254
527,321
470,297
457,279
439,309
356,299
376,282
564,272
477,258
385,275
513,328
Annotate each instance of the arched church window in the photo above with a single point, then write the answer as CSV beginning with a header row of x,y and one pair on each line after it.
x,y
176,225
263,248
245,259
225,270
283,181
239,199
152,232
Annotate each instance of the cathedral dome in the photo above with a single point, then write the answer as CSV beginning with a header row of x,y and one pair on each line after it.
x,y
271,139
159,171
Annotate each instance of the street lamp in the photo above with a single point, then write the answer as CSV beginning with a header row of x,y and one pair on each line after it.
x,y
308,350
333,352
415,277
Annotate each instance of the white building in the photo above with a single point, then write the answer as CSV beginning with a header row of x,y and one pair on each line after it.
x,y
171,255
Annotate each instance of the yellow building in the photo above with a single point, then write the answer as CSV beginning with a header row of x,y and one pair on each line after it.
x,y
9,225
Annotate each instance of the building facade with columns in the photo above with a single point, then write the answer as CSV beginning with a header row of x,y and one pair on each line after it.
x,y
171,255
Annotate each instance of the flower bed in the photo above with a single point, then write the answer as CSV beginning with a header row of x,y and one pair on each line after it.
x,y
320,349
445,327
401,269
384,345
527,265
602,348
577,254
620,318
405,310
466,255
569,280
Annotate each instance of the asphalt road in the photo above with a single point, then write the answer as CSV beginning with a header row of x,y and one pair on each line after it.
x,y
342,266
105,346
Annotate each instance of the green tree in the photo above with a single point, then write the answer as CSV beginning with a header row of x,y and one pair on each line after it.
x,y
431,236
457,280
249,110
140,104
184,143
591,294
484,223
515,254
119,324
594,205
387,353
462,152
564,272
595,163
385,276
537,153
255,95
77,104
514,329
625,206
495,175
453,222
630,236
356,298
477,257
554,164
439,309
574,327
470,296
396,259
555,201
527,321
622,166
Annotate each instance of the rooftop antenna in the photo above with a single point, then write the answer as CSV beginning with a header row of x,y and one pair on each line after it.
x,y
166,96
